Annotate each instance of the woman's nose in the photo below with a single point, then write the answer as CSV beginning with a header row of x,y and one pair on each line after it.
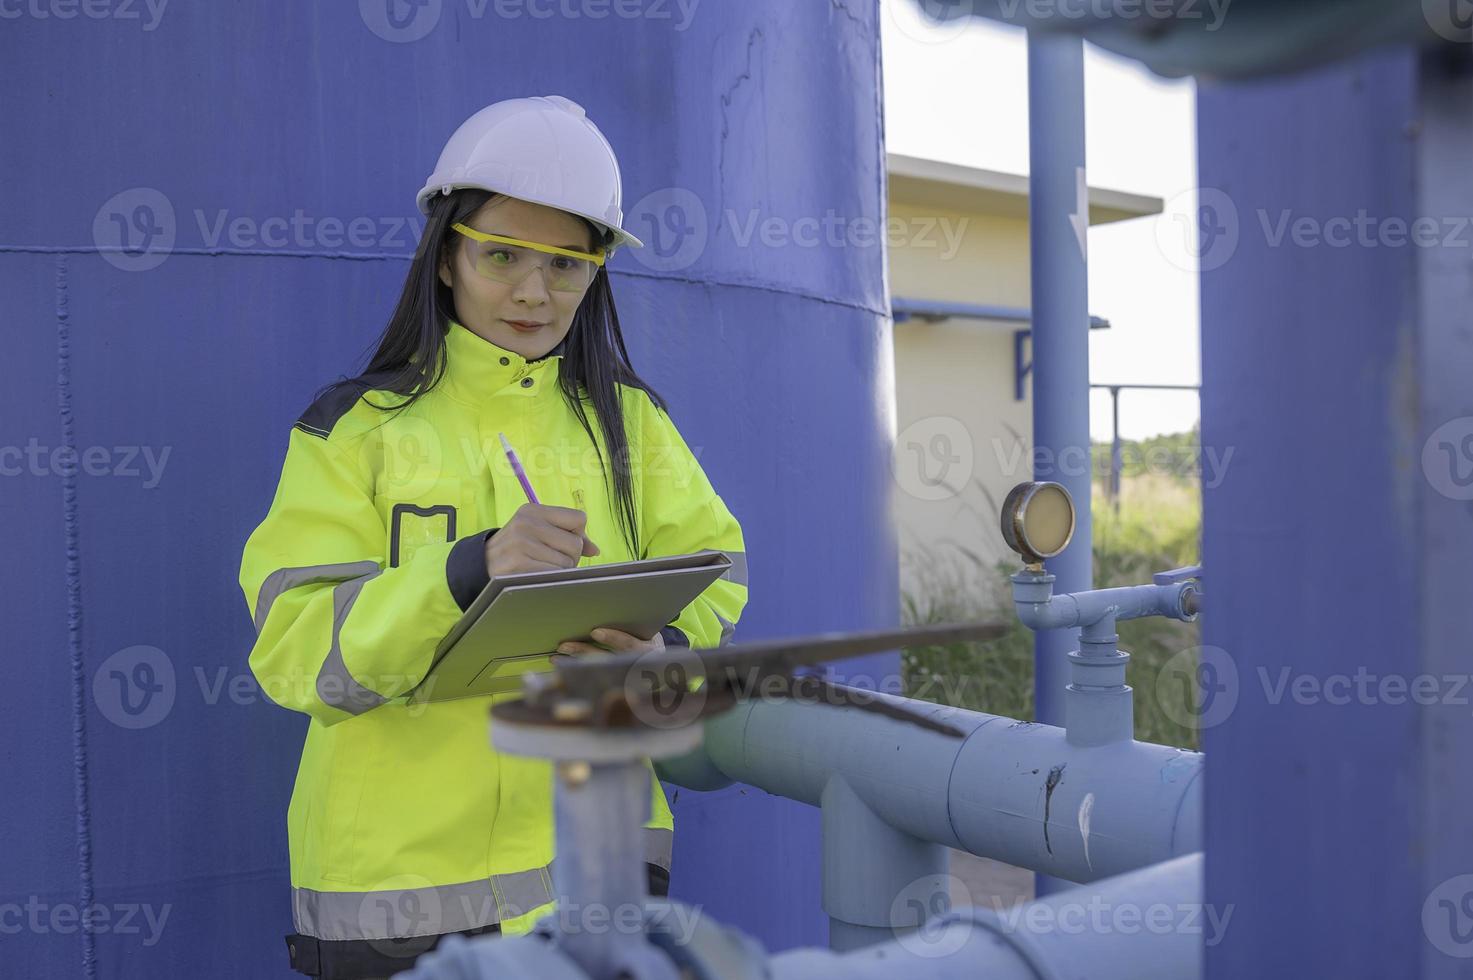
x,y
532,288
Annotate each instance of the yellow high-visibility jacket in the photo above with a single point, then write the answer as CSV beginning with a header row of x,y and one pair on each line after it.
x,y
403,820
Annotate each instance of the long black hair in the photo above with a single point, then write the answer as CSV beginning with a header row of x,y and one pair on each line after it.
x,y
409,359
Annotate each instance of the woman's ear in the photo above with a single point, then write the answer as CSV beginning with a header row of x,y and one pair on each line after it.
x,y
444,270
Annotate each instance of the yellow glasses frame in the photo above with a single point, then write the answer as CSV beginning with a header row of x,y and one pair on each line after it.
x,y
556,279
597,258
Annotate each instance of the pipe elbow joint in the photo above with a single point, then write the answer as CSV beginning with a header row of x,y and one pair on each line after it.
x,y
1053,612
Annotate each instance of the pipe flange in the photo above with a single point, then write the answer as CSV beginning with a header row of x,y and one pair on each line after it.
x,y
521,730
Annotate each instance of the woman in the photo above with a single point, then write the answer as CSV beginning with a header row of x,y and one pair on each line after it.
x,y
396,505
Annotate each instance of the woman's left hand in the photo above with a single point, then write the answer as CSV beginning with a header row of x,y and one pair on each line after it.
x,y
612,641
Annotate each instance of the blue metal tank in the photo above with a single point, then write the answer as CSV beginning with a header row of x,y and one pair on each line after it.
x,y
208,211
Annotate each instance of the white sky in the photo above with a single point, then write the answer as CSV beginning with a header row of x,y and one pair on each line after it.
x,y
959,92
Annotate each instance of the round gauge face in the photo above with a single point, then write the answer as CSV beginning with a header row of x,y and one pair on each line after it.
x,y
1037,520
1047,519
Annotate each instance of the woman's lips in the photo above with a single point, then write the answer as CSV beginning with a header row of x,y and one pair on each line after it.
x,y
525,326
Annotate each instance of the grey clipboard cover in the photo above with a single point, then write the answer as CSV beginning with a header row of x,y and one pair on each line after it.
x,y
518,620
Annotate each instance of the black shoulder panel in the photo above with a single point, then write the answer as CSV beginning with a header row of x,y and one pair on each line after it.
x,y
320,417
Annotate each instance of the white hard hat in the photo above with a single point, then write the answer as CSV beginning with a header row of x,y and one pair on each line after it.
x,y
542,149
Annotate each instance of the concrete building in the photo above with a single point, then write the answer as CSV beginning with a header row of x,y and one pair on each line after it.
x,y
959,283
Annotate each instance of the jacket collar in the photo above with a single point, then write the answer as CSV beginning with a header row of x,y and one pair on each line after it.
x,y
477,369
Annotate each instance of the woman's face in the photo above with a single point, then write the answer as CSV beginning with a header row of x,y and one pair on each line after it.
x,y
489,308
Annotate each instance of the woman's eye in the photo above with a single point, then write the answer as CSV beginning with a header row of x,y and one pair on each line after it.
x,y
564,263
500,256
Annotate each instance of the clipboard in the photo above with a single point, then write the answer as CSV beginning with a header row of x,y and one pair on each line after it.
x,y
518,620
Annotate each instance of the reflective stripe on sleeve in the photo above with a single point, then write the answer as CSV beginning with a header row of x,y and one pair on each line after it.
x,y
335,685
283,579
659,843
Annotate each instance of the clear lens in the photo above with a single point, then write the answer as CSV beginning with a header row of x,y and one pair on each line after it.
x,y
511,264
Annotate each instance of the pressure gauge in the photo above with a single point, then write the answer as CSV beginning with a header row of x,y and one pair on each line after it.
x,y
1038,520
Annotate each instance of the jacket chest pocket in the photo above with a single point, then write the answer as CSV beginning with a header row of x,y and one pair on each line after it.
x,y
436,516
411,525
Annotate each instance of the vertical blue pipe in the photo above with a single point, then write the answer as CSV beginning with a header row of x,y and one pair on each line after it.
x,y
1058,220
598,813
874,876
1116,464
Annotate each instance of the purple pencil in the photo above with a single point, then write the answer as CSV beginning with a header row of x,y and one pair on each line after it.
x,y
516,467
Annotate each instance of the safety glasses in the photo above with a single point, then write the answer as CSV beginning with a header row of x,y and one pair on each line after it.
x,y
510,260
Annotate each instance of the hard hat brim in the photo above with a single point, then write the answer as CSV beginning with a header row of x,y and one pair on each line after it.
x,y
621,237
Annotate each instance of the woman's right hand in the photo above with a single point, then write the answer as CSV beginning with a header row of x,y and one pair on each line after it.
x,y
539,538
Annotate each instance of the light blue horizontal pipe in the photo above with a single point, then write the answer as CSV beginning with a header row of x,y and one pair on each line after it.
x,y
1098,704
1040,609
1145,925
1013,791
904,308
1148,924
